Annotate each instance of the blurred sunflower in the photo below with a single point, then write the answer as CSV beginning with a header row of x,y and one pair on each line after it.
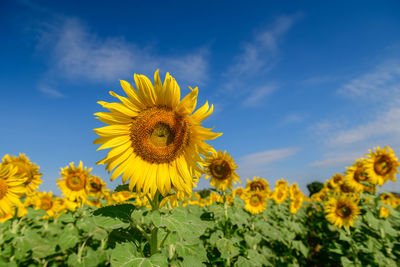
x,y
258,184
255,202
26,169
238,192
382,165
11,189
342,211
384,212
96,187
221,168
156,139
336,180
357,174
46,201
295,204
73,181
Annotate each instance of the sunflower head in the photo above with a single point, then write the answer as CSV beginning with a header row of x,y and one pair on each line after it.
x,y
382,165
156,138
295,204
12,188
73,181
342,211
26,169
221,168
238,192
95,186
255,202
258,184
280,195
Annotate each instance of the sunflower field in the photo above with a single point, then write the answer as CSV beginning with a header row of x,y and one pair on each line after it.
x,y
157,218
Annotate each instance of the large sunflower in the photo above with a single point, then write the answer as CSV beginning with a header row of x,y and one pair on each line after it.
x,y
155,137
342,211
382,165
26,169
221,168
11,189
73,181
255,202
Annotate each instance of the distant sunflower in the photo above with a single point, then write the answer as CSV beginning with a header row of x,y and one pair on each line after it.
x,y
221,168
258,184
382,165
11,189
357,174
238,192
384,212
95,186
156,139
47,202
336,180
342,211
280,195
255,202
26,169
295,204
73,181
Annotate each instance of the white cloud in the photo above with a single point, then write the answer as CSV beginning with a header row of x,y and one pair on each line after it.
x,y
337,159
256,164
379,84
78,54
50,92
293,118
258,95
260,53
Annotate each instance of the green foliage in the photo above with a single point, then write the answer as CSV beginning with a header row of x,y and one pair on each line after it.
x,y
215,235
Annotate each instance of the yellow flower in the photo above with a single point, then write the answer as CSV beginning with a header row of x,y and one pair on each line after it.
x,y
238,192
96,187
356,174
384,212
156,139
295,204
280,195
258,184
336,180
342,211
11,189
382,165
46,201
221,168
73,181
255,202
26,169
122,196
66,204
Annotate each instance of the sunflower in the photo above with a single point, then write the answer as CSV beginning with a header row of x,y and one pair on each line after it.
x,y
221,168
11,189
357,174
295,192
258,184
382,165
95,187
295,204
336,180
238,192
26,169
73,181
46,201
156,139
255,202
342,211
384,212
280,195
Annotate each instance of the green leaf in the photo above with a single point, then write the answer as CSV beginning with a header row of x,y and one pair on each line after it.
x,y
299,245
69,237
121,212
226,248
192,261
122,187
109,223
243,262
159,260
126,255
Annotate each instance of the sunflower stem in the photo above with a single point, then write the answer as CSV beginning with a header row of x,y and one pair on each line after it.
x,y
155,205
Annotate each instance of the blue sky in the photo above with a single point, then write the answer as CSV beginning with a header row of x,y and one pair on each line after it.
x,y
300,89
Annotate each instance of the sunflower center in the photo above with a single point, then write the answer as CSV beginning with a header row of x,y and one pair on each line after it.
x,y
346,188
220,169
337,179
255,200
159,135
3,188
343,211
360,175
382,166
46,203
256,186
95,186
75,182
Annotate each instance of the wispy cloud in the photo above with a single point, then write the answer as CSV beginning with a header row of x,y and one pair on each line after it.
x,y
257,163
258,95
337,159
260,53
77,53
51,92
380,83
